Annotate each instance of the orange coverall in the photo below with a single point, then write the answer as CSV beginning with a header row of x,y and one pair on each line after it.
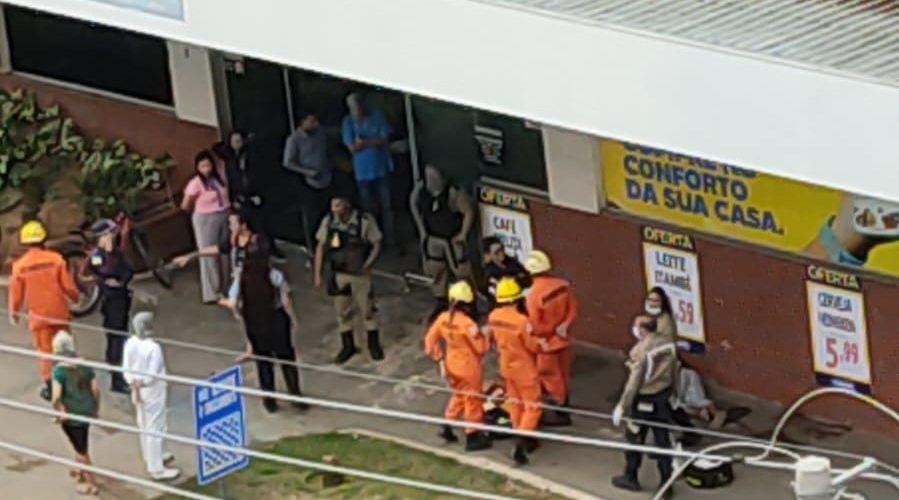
x,y
550,304
518,348
41,280
458,342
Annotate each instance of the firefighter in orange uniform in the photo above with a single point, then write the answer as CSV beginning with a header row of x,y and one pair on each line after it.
x,y
455,341
552,309
41,280
514,337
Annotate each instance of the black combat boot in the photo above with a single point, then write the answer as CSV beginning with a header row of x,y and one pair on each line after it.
x,y
447,434
519,455
626,482
374,346
348,350
477,441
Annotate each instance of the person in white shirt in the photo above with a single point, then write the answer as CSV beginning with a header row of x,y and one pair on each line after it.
x,y
143,361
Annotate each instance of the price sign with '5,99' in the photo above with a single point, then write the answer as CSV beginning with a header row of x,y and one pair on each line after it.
x,y
839,332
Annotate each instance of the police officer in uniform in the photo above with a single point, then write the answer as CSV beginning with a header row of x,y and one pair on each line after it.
x,y
444,216
349,242
113,274
647,396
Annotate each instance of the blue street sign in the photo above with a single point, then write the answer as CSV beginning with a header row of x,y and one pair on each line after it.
x,y
220,417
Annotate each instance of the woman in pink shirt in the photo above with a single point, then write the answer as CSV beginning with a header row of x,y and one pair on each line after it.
x,y
206,198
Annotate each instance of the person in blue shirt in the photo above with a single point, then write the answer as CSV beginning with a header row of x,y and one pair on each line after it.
x,y
365,133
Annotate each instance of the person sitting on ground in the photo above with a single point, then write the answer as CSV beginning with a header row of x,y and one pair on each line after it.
x,y
498,264
74,392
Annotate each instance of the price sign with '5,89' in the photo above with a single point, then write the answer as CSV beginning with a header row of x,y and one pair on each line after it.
x,y
839,330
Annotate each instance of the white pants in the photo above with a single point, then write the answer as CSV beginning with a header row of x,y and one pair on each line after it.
x,y
151,417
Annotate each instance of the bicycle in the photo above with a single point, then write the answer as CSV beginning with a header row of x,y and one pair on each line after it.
x,y
77,249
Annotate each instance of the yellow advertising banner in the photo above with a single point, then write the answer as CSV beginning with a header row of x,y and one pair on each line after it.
x,y
750,206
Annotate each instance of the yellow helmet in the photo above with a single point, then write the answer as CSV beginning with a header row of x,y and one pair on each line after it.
x,y
32,233
508,290
461,292
537,262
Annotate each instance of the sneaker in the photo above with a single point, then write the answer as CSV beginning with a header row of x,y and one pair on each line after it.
x,y
167,458
270,405
299,406
165,474
446,433
626,482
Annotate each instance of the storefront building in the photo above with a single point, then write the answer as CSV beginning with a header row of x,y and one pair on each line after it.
x,y
777,285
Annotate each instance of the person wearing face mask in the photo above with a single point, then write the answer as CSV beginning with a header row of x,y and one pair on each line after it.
x,y
652,364
457,344
444,215
658,306
306,153
112,273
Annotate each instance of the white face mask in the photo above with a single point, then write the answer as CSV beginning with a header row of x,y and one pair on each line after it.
x,y
652,309
635,331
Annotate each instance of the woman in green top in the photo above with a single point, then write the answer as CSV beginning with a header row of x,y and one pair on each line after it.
x,y
75,393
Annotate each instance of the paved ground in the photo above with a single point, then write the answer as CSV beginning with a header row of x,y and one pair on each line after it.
x,y
597,376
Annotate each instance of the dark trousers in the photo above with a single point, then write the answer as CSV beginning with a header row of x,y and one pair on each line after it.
x,y
115,310
266,370
276,343
315,204
651,408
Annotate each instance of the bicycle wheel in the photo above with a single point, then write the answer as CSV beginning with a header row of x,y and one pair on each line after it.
x,y
88,290
155,264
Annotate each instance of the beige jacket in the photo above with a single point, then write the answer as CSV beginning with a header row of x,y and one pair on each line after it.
x,y
653,366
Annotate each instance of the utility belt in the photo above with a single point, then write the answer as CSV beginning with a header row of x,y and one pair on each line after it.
x,y
656,407
454,259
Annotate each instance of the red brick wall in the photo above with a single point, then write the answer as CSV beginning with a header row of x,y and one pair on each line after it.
x,y
753,300
148,130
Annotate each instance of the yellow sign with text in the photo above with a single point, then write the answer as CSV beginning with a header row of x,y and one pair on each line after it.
x,y
745,205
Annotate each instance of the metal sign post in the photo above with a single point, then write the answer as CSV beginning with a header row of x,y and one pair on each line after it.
x,y
220,417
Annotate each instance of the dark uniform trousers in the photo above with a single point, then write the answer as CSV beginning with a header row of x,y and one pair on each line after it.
x,y
651,408
115,309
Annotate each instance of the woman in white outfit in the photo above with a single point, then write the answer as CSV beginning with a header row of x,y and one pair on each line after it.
x,y
206,198
143,360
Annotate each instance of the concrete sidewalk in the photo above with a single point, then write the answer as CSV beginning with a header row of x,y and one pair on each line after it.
x,y
597,377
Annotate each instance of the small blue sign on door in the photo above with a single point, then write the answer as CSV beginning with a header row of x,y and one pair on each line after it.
x,y
220,418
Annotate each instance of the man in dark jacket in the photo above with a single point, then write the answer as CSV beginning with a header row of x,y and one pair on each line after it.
x,y
245,184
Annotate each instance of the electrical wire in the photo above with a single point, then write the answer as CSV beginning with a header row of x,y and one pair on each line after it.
x,y
442,389
101,471
772,444
706,453
336,469
822,391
